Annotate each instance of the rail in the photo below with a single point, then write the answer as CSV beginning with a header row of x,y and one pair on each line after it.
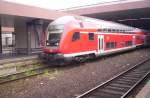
x,y
121,85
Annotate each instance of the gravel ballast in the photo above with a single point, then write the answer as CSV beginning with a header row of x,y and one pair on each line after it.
x,y
70,81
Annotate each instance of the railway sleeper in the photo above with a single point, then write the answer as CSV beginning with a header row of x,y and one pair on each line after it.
x,y
139,70
127,80
132,77
138,73
116,88
120,86
124,82
113,91
103,95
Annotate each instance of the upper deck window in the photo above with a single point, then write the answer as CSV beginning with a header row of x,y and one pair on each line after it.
x,y
76,36
91,36
55,27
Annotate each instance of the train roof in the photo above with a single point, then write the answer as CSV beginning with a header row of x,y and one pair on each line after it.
x,y
100,24
63,20
106,24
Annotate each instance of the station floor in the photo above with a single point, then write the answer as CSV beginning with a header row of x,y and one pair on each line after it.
x,y
145,91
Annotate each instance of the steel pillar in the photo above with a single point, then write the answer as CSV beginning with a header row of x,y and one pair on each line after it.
x,y
0,40
28,39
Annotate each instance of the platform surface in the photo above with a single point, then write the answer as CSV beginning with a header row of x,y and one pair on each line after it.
x,y
17,58
145,92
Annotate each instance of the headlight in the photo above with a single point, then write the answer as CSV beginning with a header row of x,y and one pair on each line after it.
x,y
59,54
56,44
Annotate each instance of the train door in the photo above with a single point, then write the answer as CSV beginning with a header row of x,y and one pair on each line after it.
x,y
144,39
134,41
100,43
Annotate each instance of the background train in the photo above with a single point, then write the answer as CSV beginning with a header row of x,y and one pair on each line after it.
x,y
79,38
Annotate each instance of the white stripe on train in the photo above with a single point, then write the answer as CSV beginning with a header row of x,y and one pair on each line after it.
x,y
101,52
106,33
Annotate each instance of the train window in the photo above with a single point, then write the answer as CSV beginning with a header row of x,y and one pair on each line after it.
x,y
109,30
99,30
76,36
117,30
107,45
104,30
115,44
91,36
122,44
129,43
112,45
113,30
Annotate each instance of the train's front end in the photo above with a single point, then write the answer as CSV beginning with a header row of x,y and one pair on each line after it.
x,y
56,34
52,50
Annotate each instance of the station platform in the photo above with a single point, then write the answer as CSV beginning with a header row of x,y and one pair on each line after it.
x,y
17,64
145,92
17,58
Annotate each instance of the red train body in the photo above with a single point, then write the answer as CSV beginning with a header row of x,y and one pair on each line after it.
x,y
71,37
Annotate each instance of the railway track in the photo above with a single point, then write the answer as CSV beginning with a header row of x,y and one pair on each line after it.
x,y
121,85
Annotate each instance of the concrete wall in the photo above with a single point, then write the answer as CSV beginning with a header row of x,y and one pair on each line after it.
x,y
21,38
0,40
28,37
36,29
34,38
34,42
21,35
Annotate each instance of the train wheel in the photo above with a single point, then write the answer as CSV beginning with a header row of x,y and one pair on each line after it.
x,y
92,56
80,59
60,62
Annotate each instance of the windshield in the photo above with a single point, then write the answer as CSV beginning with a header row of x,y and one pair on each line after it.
x,y
53,39
53,36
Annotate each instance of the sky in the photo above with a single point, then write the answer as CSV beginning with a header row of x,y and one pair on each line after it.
x,y
58,4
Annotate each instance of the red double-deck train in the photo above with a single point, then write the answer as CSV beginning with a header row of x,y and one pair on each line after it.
x,y
79,38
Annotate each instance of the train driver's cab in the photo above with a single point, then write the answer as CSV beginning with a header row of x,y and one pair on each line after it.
x,y
53,35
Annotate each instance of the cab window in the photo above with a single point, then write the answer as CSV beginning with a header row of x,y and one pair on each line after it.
x,y
76,36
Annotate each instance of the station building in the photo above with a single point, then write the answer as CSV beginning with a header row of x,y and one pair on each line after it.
x,y
22,28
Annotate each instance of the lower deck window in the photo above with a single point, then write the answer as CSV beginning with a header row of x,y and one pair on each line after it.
x,y
122,44
107,45
111,45
129,43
